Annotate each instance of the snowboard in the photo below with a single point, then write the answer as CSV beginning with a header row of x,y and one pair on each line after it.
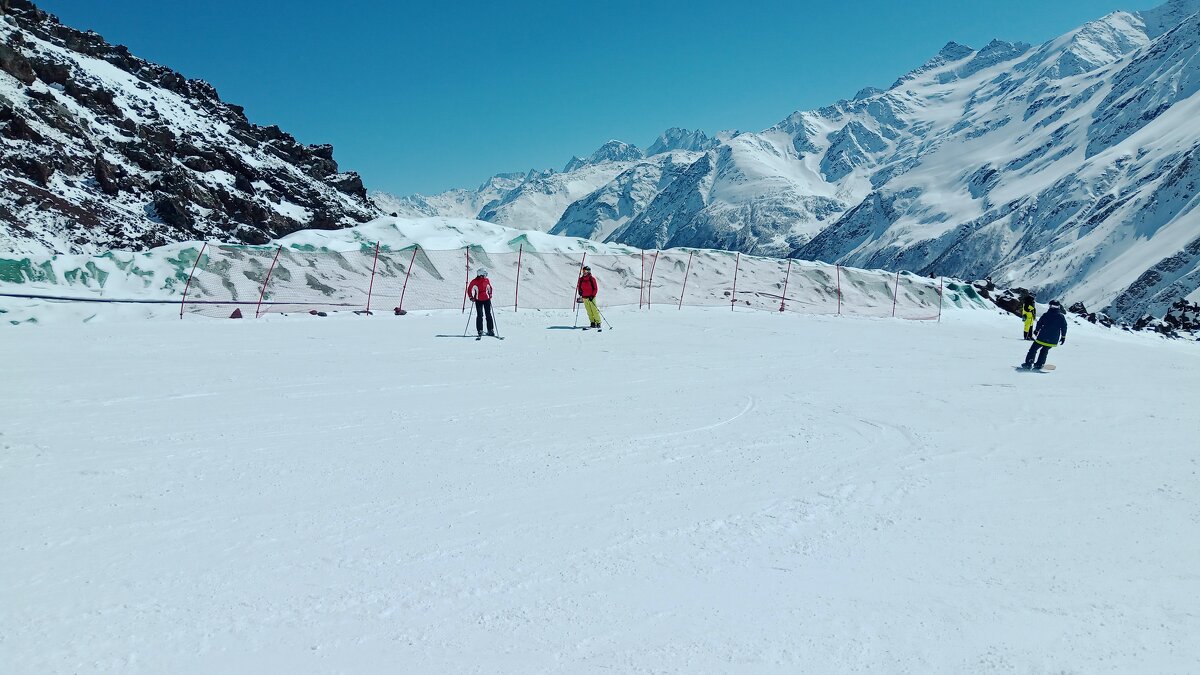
x,y
1045,369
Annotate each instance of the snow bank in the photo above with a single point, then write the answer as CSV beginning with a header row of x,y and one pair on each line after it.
x,y
339,269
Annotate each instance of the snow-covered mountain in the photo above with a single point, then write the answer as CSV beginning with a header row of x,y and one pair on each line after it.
x,y
1068,167
590,197
101,149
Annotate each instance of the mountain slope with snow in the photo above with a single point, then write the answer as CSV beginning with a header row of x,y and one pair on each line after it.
x,y
101,149
1068,167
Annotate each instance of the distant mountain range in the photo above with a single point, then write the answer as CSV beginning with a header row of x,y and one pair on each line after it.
x,y
1070,167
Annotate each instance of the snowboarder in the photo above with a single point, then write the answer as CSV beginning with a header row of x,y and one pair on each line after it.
x,y
1051,331
1029,312
588,288
480,292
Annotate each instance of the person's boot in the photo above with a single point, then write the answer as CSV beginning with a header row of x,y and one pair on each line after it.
x,y
491,333
1027,366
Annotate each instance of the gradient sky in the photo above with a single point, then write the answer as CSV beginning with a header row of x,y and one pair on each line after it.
x,y
426,97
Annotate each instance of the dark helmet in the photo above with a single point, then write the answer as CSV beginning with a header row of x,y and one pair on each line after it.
x,y
1054,304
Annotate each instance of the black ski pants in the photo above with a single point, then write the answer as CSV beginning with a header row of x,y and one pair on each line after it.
x,y
1041,359
484,307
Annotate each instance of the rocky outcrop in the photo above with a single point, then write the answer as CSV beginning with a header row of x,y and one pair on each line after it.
x,y
106,150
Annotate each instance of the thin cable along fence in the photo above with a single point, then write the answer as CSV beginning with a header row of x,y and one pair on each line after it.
x,y
254,281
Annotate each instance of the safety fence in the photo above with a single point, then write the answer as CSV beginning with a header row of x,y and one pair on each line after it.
x,y
282,280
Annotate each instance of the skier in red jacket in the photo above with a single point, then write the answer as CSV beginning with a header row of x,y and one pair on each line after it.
x,y
480,292
588,288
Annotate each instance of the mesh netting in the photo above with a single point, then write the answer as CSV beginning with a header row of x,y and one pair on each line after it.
x,y
278,280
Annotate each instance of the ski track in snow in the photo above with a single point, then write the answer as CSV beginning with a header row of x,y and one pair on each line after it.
x,y
699,491
748,408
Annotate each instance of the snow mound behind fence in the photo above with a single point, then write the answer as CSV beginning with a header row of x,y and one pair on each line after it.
x,y
281,280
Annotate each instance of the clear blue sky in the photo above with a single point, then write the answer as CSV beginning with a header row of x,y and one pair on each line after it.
x,y
425,97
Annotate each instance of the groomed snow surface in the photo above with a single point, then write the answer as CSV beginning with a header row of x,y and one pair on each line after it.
x,y
693,491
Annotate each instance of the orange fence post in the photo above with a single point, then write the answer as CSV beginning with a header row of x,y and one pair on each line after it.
x,y
783,298
467,252
685,277
371,286
838,269
940,280
895,294
263,292
407,274
650,283
517,286
737,264
575,291
189,281
642,280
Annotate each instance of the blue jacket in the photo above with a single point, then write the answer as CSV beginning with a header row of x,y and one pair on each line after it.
x,y
1051,328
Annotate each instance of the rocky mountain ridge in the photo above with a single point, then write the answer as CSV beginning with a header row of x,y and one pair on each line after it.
x,y
102,149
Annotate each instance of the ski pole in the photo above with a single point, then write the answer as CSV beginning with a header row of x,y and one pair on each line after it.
x,y
496,322
468,319
577,314
603,317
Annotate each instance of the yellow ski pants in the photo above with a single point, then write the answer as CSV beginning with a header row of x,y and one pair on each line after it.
x,y
592,311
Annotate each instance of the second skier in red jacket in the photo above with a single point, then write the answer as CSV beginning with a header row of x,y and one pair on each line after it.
x,y
480,292
588,288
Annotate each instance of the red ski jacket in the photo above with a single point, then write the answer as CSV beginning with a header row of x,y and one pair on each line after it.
x,y
480,289
588,287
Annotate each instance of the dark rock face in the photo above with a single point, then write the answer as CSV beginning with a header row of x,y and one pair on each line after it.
x,y
145,157
1182,321
1093,317
14,63
1011,299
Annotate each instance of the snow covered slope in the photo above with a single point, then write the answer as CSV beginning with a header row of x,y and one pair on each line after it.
x,y
309,495
101,150
1068,167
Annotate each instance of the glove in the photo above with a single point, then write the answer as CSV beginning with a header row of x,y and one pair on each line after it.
x,y
1063,341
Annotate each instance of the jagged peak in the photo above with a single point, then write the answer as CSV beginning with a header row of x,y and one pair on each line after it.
x,y
611,151
1092,45
953,51
949,53
615,151
867,92
1162,19
502,180
676,138
538,174
998,46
